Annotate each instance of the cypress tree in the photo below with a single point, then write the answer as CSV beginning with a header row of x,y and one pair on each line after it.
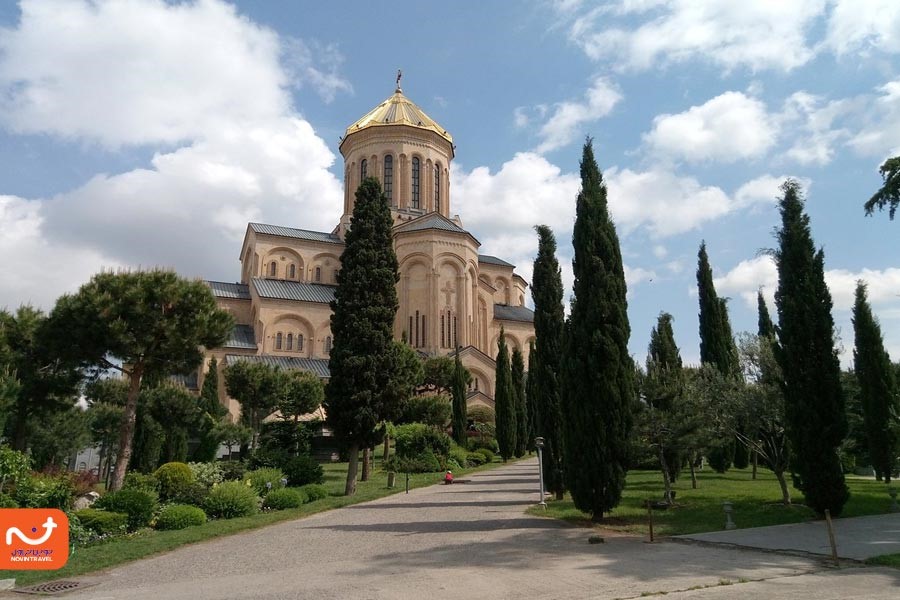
x,y
212,412
504,401
531,396
598,372
717,348
877,386
765,326
518,384
544,376
360,395
814,400
461,379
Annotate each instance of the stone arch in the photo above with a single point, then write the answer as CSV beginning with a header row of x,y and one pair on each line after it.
x,y
284,257
322,334
502,285
327,264
480,381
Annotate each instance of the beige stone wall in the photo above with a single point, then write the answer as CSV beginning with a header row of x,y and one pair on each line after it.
x,y
293,259
307,319
240,310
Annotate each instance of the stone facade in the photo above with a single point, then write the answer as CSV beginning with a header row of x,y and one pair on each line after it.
x,y
450,296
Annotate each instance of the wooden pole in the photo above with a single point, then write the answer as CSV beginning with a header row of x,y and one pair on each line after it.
x,y
650,518
828,523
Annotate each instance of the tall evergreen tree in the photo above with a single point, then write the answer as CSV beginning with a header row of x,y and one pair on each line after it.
x,y
598,372
717,347
877,386
212,413
530,393
544,374
360,394
518,384
504,401
461,378
765,326
814,400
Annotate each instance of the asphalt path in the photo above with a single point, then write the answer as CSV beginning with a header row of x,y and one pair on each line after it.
x,y
469,540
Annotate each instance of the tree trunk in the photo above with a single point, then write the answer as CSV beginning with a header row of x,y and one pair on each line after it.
x,y
665,473
350,488
387,448
126,431
693,473
785,492
755,462
366,466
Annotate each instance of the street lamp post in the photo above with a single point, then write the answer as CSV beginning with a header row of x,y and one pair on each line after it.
x,y
539,442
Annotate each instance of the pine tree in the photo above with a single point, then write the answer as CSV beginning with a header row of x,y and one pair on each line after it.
x,y
360,395
518,385
717,347
504,401
544,375
461,378
598,372
877,386
814,400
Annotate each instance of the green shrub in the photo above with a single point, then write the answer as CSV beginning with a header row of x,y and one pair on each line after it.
x,y
487,454
302,470
102,522
314,491
260,477
145,482
233,470
137,504
285,498
207,474
460,455
45,491
425,462
14,466
452,465
179,516
475,459
174,478
7,502
481,414
194,494
415,439
79,535
231,499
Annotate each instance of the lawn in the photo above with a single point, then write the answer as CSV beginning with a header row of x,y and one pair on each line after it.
x,y
148,542
885,560
755,503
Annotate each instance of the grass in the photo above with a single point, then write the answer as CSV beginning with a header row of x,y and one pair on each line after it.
x,y
755,503
148,542
885,560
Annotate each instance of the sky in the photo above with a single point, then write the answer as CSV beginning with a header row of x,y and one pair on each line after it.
x,y
144,133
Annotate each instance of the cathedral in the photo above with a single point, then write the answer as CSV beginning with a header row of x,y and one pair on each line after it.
x,y
450,296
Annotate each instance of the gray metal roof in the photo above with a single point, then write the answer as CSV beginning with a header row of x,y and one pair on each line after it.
x,y
189,381
493,260
300,234
220,289
294,290
316,366
241,337
431,221
505,312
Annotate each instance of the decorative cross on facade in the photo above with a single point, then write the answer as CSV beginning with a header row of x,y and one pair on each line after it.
x,y
449,290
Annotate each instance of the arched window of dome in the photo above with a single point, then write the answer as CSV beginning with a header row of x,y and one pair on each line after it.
x,y
299,342
437,188
388,182
328,345
363,169
293,271
272,269
415,182
318,274
278,341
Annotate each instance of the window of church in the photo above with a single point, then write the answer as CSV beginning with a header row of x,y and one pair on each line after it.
x,y
299,342
290,341
437,188
388,182
363,169
415,182
278,341
318,274
293,271
443,337
328,345
272,269
417,329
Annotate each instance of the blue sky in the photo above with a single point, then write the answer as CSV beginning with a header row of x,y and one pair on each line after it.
x,y
143,133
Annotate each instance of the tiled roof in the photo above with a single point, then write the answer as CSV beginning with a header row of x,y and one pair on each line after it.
x,y
241,337
221,289
317,366
505,312
300,234
431,221
493,260
294,290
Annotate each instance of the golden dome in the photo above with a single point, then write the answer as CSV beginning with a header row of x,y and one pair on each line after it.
x,y
398,110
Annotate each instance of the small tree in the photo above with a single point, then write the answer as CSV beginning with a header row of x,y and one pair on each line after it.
x,y
259,388
232,435
141,323
888,195
212,412
303,393
461,379
438,374
518,384
504,401
178,412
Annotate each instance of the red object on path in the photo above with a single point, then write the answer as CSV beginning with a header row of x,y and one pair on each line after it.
x,y
448,478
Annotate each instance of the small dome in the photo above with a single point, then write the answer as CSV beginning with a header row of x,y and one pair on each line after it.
x,y
398,110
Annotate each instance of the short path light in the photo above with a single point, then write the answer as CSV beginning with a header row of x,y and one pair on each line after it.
x,y
539,442
268,485
729,524
284,482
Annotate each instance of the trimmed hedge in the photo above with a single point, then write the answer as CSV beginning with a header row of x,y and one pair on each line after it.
x,y
146,482
231,499
102,522
174,479
179,516
285,498
301,470
487,454
137,504
314,491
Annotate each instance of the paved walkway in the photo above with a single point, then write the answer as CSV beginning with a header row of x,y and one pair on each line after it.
x,y
468,541
858,538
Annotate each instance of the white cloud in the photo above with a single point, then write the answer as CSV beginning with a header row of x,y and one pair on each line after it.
x,y
883,286
813,121
728,128
755,35
764,190
879,136
115,73
568,118
862,26
747,277
634,276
